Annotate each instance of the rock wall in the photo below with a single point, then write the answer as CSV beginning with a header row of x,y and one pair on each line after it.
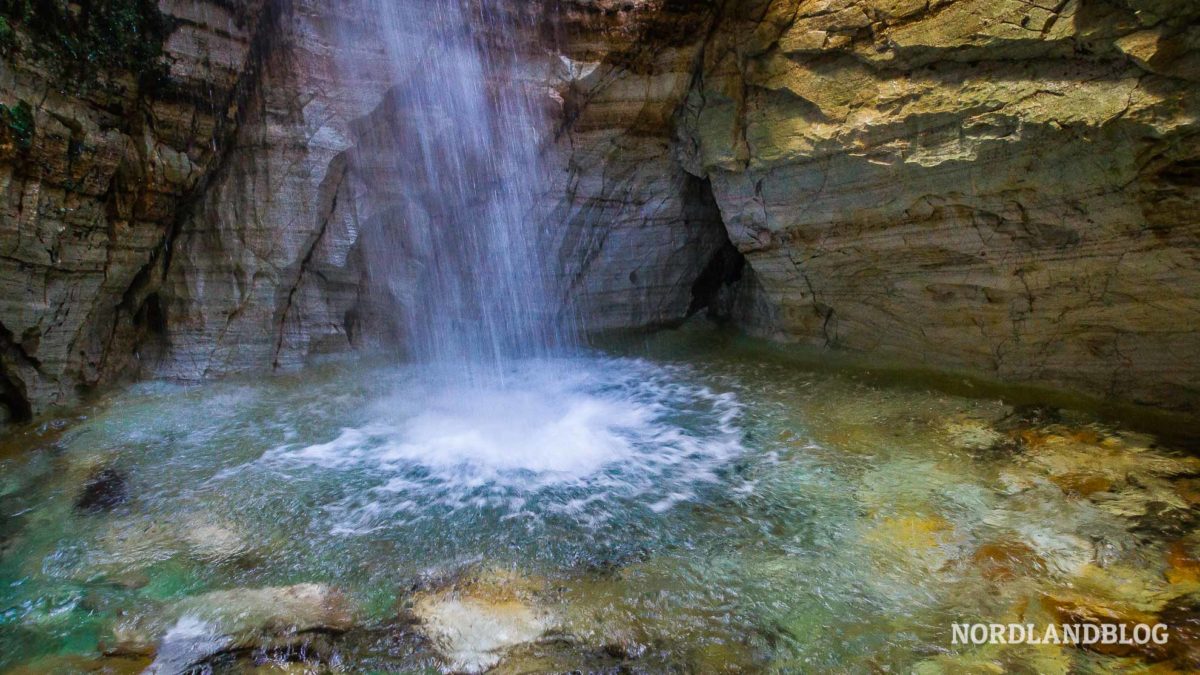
x,y
260,272
217,222
998,187
272,266
1001,188
637,229
96,167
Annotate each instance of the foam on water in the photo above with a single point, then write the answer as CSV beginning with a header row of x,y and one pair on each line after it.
x,y
572,436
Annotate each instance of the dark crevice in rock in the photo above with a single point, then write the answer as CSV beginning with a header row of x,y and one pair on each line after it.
x,y
724,269
14,407
1184,173
14,399
351,324
150,328
152,316
306,261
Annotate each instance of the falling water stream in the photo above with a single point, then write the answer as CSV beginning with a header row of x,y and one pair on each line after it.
x,y
507,497
462,148
505,402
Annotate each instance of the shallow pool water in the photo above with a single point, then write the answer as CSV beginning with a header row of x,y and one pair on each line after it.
x,y
693,504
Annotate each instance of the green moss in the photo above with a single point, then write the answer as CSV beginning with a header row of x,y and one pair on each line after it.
x,y
7,36
86,37
18,121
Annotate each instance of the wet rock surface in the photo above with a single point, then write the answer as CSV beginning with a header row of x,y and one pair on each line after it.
x,y
195,629
475,622
987,186
99,171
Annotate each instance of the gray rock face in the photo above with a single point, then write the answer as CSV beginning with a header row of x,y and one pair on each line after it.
x,y
260,274
990,187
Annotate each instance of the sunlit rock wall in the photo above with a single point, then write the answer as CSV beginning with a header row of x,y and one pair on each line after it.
x,y
1005,188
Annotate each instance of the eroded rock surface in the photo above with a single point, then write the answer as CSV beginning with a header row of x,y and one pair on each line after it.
x,y
193,629
474,625
274,262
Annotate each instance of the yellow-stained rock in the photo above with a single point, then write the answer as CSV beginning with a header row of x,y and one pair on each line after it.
x,y
1183,564
1005,560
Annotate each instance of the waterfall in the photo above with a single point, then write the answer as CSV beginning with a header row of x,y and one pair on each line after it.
x,y
465,251
495,411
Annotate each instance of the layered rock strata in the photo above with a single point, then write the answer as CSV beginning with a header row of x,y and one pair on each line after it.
x,y
97,166
1006,188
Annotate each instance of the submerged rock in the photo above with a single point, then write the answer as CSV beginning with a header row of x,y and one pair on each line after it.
x,y
194,629
1026,416
1183,565
105,489
473,625
130,544
975,435
1120,475
1127,595
213,540
1081,484
1006,560
1182,618
73,663
907,550
473,634
1073,610
188,642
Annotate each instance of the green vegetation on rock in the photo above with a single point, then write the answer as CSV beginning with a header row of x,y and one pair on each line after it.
x,y
88,37
18,123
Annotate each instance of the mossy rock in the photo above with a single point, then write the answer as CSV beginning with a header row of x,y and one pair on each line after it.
x,y
17,127
85,38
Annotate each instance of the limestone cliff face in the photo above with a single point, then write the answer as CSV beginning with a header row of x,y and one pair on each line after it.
x,y
1007,188
261,271
96,167
995,187
638,229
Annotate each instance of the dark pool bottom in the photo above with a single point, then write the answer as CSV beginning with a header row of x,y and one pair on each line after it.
x,y
674,507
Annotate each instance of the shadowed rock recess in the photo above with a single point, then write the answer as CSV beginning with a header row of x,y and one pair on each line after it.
x,y
1002,188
